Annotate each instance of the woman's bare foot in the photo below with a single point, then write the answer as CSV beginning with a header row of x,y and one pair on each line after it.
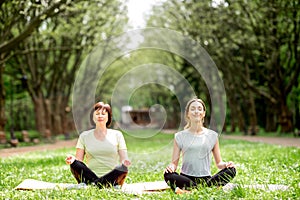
x,y
181,191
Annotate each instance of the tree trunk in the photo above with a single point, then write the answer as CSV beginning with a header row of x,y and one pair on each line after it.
x,y
285,119
232,122
56,116
252,115
2,98
237,118
252,108
241,121
50,115
40,114
270,125
232,114
297,114
66,122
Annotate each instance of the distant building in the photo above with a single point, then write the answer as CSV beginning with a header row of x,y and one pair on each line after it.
x,y
125,116
140,117
132,117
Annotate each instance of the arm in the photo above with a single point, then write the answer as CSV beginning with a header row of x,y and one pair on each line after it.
x,y
124,157
79,154
175,159
218,159
122,150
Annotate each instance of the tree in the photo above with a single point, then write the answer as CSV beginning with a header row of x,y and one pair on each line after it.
x,y
52,55
252,45
271,52
15,14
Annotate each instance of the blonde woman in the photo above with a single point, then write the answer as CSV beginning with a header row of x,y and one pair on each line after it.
x,y
196,143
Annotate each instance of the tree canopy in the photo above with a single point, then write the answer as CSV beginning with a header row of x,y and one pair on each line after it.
x,y
254,44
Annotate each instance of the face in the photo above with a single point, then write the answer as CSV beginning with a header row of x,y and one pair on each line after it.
x,y
100,115
196,112
101,112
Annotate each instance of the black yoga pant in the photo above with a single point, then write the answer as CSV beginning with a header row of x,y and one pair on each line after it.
x,y
83,174
184,181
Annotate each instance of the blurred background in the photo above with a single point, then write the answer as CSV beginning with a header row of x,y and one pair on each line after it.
x,y
254,44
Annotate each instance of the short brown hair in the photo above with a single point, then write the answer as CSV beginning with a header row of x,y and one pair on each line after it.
x,y
97,106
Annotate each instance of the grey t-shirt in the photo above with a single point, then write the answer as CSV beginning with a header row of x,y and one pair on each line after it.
x,y
196,151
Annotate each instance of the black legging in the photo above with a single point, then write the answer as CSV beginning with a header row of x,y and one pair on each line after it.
x,y
85,175
184,181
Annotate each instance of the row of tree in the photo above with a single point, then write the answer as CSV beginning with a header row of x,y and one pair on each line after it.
x,y
43,44
255,45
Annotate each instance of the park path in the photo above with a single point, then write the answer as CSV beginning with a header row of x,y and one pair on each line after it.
x,y
288,142
43,147
293,142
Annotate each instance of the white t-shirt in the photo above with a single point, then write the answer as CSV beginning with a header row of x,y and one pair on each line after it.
x,y
196,151
101,156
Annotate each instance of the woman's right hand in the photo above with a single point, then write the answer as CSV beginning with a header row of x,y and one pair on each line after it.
x,y
70,159
170,168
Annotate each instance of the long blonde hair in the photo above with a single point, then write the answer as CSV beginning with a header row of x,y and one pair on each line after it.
x,y
187,107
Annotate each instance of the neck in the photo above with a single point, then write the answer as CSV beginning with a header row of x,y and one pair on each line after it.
x,y
196,128
100,129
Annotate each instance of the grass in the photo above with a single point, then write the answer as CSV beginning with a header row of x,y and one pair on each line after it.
x,y
256,164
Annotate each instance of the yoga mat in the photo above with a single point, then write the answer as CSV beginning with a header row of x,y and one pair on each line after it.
x,y
135,188
145,187
32,184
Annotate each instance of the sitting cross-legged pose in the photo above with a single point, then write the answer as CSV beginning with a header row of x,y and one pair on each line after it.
x,y
102,149
196,143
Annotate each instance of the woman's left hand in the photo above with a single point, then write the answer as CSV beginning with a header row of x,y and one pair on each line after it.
x,y
229,164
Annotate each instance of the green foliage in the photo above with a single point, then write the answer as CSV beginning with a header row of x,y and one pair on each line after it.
x,y
256,164
31,133
255,45
51,53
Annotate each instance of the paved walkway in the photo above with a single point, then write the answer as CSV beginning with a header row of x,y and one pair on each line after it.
x,y
289,142
294,142
20,150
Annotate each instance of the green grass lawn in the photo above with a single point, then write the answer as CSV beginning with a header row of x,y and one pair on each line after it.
x,y
256,164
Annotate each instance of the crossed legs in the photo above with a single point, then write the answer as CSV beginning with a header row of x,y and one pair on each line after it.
x,y
223,177
84,175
